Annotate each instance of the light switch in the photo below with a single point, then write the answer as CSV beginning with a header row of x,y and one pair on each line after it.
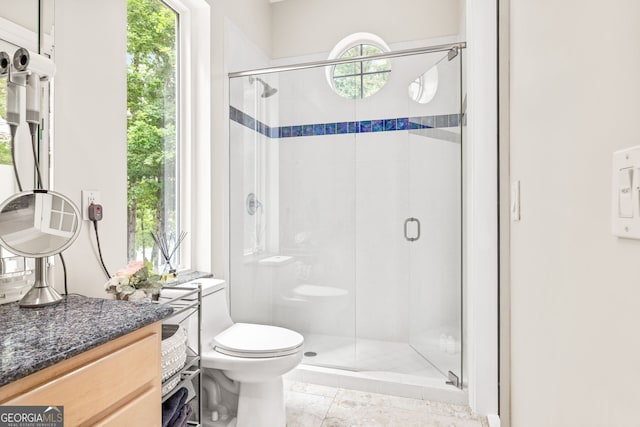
x,y
625,199
515,201
625,193
635,191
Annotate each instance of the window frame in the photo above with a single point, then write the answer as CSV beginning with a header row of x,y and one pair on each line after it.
x,y
193,128
183,34
360,75
348,43
193,104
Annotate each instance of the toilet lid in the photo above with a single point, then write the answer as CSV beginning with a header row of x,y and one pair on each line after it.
x,y
249,340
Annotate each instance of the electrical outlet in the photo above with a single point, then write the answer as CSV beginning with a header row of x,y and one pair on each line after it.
x,y
89,197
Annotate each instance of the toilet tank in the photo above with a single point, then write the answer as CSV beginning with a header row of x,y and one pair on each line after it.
x,y
215,308
215,311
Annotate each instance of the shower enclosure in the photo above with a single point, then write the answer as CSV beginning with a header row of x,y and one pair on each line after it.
x,y
346,213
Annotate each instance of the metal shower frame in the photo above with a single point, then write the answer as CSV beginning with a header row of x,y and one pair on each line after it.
x,y
328,62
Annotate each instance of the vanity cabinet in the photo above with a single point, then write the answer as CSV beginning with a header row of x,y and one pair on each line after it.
x,y
114,384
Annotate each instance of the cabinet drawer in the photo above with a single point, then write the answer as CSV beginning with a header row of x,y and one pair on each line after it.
x,y
105,385
141,411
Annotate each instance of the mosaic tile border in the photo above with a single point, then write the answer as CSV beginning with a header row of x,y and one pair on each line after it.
x,y
335,128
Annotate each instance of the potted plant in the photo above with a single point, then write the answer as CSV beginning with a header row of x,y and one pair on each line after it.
x,y
134,282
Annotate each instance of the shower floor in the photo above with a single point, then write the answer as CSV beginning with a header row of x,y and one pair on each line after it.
x,y
386,367
365,355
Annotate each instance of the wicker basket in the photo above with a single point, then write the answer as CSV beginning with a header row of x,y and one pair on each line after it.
x,y
170,385
174,351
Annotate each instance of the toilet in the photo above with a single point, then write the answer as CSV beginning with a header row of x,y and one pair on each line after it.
x,y
243,359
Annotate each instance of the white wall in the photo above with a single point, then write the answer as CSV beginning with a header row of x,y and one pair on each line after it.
x,y
480,157
90,149
23,13
252,18
302,27
245,23
575,290
219,134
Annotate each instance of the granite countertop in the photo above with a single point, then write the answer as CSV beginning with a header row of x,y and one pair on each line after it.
x,y
35,338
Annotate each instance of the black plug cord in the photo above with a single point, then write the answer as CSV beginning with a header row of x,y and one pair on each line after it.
x,y
33,127
64,272
104,268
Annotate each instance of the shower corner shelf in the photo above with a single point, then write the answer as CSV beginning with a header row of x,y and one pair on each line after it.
x,y
187,307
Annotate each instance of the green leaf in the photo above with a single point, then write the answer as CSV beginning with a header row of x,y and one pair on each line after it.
x,y
151,118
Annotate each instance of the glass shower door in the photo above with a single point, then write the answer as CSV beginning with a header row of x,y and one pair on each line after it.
x,y
434,226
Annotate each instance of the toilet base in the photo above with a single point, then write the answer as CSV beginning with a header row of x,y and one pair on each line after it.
x,y
206,422
261,404
227,423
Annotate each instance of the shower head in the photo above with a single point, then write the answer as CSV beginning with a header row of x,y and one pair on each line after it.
x,y
267,90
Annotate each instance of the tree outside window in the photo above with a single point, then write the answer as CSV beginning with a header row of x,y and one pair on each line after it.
x,y
152,118
361,79
5,135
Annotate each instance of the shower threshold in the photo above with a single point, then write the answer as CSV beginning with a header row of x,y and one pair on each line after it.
x,y
388,383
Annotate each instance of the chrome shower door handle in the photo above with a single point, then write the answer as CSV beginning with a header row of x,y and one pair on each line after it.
x,y
406,229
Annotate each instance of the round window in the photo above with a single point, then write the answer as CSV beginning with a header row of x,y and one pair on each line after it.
x,y
424,88
360,78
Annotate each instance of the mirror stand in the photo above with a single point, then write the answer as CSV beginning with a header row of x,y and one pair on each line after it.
x,y
40,294
38,224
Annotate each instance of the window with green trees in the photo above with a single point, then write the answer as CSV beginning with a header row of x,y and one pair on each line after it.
x,y
5,135
152,119
360,79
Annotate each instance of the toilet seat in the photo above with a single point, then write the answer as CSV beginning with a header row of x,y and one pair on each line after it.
x,y
257,341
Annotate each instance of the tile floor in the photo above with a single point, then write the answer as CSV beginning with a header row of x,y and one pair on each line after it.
x,y
310,405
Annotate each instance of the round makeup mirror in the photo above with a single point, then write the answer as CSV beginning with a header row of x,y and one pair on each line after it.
x,y
38,224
